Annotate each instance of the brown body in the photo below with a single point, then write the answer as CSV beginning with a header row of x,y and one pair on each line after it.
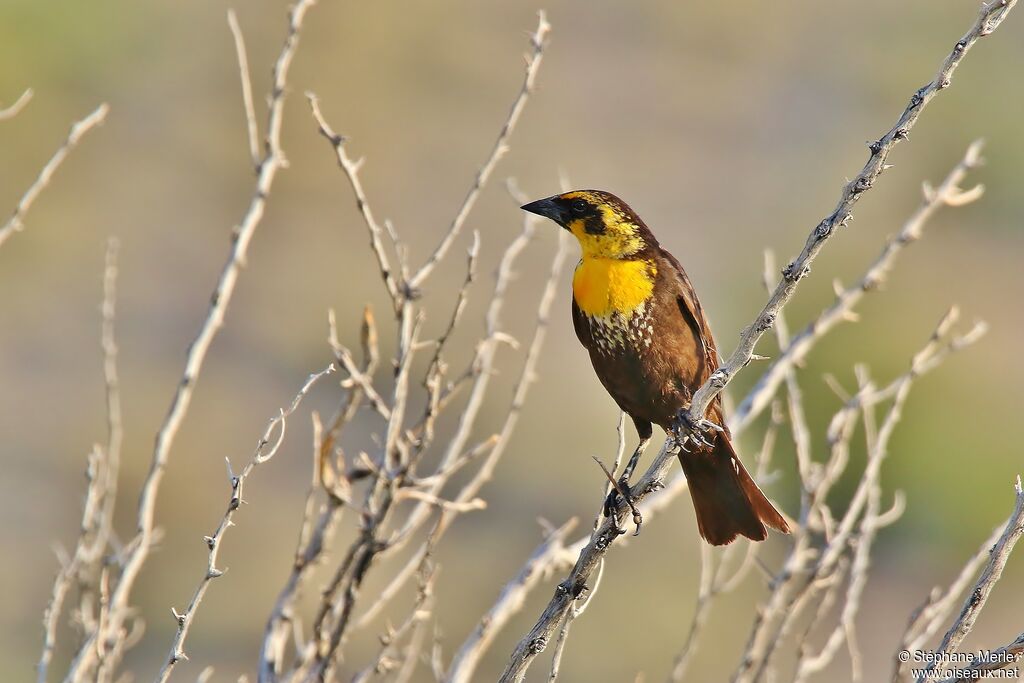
x,y
652,357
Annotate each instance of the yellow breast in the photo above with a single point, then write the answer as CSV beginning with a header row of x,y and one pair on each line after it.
x,y
602,286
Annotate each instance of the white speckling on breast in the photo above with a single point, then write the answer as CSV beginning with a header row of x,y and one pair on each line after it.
x,y
612,333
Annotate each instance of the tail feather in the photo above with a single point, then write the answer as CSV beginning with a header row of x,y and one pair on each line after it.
x,y
726,500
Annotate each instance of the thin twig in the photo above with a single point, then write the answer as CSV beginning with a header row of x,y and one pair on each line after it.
x,y
927,619
451,460
948,193
1000,658
84,564
541,563
533,61
19,104
265,450
247,101
989,18
713,578
386,659
482,368
975,602
570,617
112,392
78,129
873,520
807,570
351,169
311,550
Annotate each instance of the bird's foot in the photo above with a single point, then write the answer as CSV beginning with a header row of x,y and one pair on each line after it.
x,y
686,430
622,490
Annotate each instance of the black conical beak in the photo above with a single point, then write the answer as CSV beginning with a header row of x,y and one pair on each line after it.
x,y
548,208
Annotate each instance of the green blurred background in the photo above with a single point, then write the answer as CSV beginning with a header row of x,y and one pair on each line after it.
x,y
729,126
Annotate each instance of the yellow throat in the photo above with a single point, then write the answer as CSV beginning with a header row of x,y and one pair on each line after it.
x,y
602,286
609,278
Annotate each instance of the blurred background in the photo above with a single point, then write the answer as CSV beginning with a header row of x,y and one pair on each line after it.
x,y
730,128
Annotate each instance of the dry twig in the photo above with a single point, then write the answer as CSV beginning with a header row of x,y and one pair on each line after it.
x,y
808,570
975,602
86,565
948,193
78,129
989,19
19,104
533,60
265,450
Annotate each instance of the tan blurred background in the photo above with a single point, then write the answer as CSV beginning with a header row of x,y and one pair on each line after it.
x,y
730,127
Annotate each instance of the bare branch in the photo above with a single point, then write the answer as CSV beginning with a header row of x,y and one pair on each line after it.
x,y
975,602
570,616
927,619
807,570
247,101
714,580
387,658
213,542
1000,658
112,385
78,129
314,537
541,563
360,378
452,461
537,41
19,104
351,170
83,567
948,193
989,18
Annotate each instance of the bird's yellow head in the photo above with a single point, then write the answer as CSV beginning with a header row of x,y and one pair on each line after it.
x,y
617,271
604,225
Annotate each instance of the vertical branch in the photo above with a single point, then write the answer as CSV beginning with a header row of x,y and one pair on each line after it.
x,y
310,550
112,384
84,564
455,457
247,101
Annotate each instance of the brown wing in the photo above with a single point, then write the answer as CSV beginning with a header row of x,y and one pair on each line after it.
x,y
689,306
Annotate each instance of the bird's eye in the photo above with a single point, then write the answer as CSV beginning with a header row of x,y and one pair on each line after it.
x,y
579,207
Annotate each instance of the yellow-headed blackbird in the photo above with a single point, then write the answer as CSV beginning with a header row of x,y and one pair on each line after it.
x,y
635,311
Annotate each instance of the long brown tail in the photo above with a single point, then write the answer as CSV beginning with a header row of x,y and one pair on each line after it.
x,y
726,500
